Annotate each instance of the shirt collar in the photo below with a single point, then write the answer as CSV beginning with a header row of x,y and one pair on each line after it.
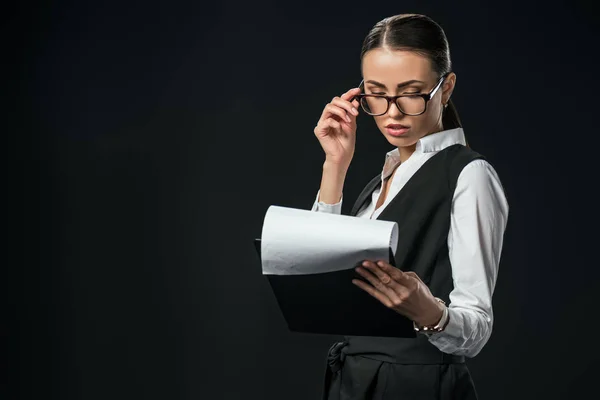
x,y
431,143
440,140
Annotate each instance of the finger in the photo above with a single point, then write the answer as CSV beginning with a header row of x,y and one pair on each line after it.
x,y
394,272
374,292
412,279
406,281
333,123
398,286
352,92
414,275
350,95
346,105
382,272
347,128
385,284
334,109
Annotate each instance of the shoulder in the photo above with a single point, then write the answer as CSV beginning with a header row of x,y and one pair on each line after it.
x,y
457,158
478,181
466,162
479,166
459,154
478,171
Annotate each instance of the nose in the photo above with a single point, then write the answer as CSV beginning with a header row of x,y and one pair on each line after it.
x,y
394,110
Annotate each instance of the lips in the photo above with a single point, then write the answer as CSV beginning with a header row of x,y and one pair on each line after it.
x,y
396,130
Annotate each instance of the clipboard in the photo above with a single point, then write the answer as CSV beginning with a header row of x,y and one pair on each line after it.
x,y
329,303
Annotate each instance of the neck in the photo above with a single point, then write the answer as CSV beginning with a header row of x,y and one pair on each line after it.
x,y
406,152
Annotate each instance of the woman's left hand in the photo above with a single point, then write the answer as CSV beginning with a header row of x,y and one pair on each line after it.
x,y
403,292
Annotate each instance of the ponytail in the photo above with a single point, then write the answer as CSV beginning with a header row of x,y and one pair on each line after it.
x,y
450,118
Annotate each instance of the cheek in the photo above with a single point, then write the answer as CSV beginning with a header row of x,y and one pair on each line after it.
x,y
431,116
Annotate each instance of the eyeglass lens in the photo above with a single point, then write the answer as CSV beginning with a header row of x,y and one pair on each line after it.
x,y
379,105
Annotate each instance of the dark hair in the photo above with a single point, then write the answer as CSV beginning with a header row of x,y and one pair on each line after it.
x,y
420,34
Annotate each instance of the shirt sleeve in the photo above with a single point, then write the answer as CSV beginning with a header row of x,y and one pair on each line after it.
x,y
319,206
478,221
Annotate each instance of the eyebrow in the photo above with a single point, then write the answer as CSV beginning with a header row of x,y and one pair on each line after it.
x,y
400,85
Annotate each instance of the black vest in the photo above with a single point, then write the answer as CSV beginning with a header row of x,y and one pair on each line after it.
x,y
422,211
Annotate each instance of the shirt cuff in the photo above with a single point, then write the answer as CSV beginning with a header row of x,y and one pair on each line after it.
x,y
452,330
319,206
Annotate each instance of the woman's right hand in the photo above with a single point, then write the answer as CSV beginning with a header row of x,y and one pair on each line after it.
x,y
336,129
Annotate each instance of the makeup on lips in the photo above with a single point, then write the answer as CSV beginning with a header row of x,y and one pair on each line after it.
x,y
396,129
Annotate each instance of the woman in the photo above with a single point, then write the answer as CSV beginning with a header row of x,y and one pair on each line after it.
x,y
450,207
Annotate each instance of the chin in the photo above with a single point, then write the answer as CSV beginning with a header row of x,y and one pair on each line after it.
x,y
399,139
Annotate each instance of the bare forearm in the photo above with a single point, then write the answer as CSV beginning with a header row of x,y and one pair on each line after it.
x,y
332,182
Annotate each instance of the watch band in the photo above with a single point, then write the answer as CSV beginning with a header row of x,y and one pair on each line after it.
x,y
431,329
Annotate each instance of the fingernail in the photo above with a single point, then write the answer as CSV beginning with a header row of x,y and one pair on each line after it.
x,y
355,111
348,119
365,264
380,263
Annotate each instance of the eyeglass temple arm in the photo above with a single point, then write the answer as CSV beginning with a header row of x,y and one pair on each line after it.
x,y
437,87
354,97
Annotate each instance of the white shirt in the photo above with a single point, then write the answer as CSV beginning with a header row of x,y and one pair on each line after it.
x,y
478,220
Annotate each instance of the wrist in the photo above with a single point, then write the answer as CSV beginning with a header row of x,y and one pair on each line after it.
x,y
339,167
332,183
433,318
429,330
445,323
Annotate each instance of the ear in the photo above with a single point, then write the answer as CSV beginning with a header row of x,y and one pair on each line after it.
x,y
448,87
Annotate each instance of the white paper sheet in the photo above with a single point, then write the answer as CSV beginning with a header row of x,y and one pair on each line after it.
x,y
296,241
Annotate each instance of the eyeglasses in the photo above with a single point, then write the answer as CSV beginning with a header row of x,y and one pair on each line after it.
x,y
408,104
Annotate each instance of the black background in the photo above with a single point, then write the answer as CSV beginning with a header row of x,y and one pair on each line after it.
x,y
145,140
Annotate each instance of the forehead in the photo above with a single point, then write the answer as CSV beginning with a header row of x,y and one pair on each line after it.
x,y
395,66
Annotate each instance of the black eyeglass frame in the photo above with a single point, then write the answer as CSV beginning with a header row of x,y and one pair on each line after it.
x,y
426,97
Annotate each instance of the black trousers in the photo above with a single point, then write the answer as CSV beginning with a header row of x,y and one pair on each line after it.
x,y
411,375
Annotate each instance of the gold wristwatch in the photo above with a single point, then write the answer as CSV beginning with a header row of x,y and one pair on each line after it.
x,y
431,329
